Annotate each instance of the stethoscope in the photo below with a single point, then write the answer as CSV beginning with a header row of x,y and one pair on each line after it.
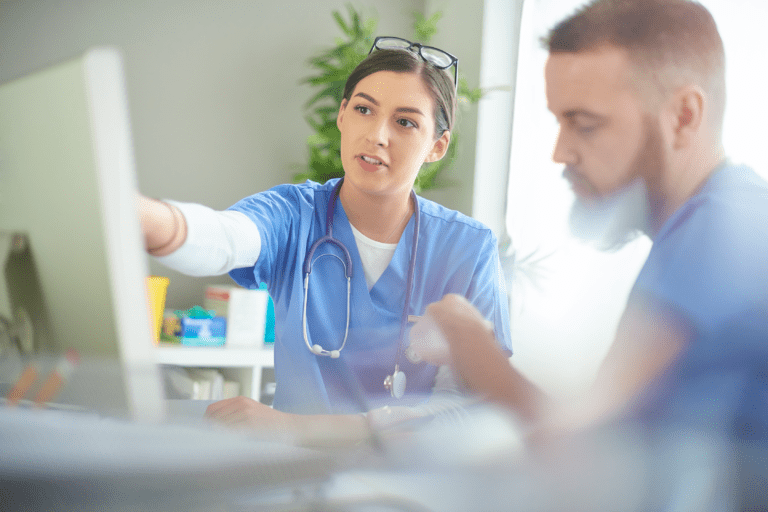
x,y
395,382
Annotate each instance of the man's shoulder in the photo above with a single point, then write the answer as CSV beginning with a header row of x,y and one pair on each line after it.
x,y
731,206
712,256
736,187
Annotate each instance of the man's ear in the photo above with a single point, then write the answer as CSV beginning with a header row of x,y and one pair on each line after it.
x,y
686,115
340,116
439,148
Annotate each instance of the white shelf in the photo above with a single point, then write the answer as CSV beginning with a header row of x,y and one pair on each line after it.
x,y
219,357
241,364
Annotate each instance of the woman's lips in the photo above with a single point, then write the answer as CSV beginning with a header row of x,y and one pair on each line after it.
x,y
369,163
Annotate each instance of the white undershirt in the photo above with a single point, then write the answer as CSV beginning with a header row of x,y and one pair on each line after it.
x,y
374,255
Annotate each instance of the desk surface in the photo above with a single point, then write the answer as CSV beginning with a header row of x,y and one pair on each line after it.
x,y
82,461
66,461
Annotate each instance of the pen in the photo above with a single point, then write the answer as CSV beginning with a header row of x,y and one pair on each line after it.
x,y
22,385
58,377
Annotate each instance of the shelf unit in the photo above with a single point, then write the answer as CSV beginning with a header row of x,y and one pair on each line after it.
x,y
243,365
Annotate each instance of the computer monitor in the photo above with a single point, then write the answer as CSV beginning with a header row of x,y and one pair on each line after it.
x,y
68,185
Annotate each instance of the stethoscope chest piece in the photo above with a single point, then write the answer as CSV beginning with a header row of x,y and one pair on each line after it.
x,y
395,383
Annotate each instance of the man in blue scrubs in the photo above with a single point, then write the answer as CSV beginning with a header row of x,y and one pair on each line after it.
x,y
680,403
638,90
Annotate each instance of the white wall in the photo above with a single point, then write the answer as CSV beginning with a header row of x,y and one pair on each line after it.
x,y
460,33
214,93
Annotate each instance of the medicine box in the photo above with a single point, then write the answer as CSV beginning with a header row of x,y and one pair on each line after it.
x,y
245,311
203,332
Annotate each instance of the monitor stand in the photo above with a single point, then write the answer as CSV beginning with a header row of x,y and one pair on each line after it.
x,y
17,324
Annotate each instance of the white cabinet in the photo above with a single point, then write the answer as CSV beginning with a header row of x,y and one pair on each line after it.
x,y
243,365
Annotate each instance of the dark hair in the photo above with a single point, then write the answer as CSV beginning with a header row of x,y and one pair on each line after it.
x,y
669,41
438,83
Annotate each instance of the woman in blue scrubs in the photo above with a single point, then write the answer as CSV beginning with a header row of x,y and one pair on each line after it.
x,y
341,345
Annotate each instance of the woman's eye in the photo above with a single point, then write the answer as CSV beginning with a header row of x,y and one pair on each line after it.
x,y
406,123
362,109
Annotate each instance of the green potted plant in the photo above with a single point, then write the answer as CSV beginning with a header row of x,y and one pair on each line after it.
x,y
332,67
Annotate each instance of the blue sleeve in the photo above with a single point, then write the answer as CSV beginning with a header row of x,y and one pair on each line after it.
x,y
278,215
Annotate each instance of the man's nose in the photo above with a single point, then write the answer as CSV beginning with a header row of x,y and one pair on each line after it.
x,y
564,152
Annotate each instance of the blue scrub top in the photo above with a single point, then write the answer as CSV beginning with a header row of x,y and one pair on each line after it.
x,y
456,254
709,266
709,260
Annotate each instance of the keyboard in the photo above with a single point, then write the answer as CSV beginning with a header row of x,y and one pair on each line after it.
x,y
66,460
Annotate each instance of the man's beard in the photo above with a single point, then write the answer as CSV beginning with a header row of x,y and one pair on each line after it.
x,y
610,222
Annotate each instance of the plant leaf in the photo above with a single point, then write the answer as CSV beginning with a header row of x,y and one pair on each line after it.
x,y
425,28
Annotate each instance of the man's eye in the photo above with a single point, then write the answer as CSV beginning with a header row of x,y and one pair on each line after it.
x,y
587,128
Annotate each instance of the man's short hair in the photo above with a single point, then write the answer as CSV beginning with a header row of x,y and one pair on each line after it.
x,y
673,43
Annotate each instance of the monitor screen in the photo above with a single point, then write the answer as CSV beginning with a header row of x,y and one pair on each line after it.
x,y
70,238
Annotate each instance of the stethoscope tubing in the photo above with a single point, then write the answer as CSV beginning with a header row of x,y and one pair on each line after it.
x,y
317,349
409,283
347,263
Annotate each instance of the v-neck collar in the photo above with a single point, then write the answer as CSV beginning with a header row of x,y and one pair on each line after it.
x,y
388,292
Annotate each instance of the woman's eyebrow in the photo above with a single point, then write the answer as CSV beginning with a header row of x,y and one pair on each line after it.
x,y
410,110
367,97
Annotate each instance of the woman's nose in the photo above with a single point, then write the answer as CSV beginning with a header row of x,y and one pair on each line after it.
x,y
379,134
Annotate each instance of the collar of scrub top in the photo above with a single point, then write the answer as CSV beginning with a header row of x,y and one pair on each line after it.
x,y
395,383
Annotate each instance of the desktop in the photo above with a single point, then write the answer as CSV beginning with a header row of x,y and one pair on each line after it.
x,y
73,275
76,268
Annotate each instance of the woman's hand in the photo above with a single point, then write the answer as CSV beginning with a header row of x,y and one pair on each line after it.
x,y
316,431
247,414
